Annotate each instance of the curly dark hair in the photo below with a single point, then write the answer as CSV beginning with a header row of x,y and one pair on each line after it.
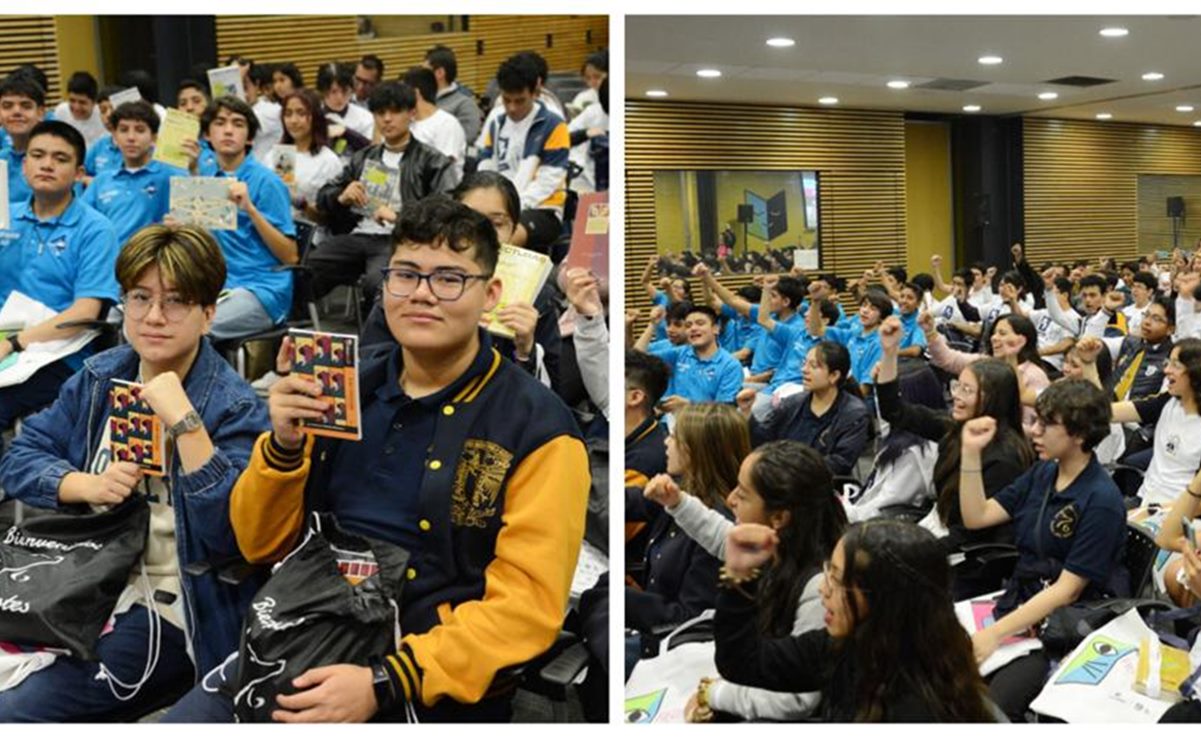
x,y
1081,407
440,221
909,640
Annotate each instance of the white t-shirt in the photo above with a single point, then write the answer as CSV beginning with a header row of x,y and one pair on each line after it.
x,y
367,224
1134,318
982,298
1049,333
271,128
356,118
946,310
312,170
443,132
92,127
1176,457
593,116
509,147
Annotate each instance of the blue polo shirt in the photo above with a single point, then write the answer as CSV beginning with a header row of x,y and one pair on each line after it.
x,y
796,343
133,200
864,350
250,264
1083,527
911,334
60,260
842,315
103,156
716,379
658,345
207,158
18,189
661,299
767,352
740,332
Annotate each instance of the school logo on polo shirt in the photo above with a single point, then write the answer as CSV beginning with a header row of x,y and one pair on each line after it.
x,y
57,246
1063,524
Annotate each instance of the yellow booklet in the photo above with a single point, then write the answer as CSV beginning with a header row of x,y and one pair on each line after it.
x,y
1173,670
176,127
522,274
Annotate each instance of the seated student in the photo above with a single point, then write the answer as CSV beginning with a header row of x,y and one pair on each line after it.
x,y
884,582
594,71
1142,289
787,379
537,346
862,341
903,469
669,292
103,154
529,144
80,109
1011,298
1141,357
362,245
590,340
678,579
431,124
492,549
256,78
913,339
986,387
784,296
316,164
1013,340
542,93
829,416
335,84
1069,527
646,380
193,97
700,370
591,123
1053,340
1080,362
257,296
170,279
786,486
453,97
285,80
22,107
59,252
368,74
740,334
1100,319
138,193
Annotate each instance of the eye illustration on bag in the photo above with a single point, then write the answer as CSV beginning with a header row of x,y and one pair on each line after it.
x,y
1095,662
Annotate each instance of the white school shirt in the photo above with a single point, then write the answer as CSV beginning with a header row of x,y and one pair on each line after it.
x,y
357,119
312,170
1049,333
443,132
271,128
92,127
593,116
1176,457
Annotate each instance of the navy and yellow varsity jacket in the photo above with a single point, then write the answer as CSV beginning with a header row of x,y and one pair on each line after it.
x,y
503,502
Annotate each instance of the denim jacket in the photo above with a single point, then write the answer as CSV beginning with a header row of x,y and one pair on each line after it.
x,y
63,439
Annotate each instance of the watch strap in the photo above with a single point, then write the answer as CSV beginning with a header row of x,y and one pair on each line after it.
x,y
191,421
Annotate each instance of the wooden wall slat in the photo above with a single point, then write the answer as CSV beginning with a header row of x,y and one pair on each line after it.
x,y
860,156
311,41
1081,184
30,39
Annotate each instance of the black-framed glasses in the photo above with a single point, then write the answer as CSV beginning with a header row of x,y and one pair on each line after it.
x,y
137,305
445,285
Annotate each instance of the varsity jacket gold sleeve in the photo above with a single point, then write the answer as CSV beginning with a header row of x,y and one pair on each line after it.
x,y
266,506
526,586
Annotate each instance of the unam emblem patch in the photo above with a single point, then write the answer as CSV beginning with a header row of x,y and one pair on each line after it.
x,y
478,479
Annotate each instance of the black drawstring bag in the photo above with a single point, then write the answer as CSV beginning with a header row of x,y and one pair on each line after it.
x,y
61,575
334,599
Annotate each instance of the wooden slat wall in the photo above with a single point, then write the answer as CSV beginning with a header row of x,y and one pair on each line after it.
x,y
30,39
1081,183
311,41
1154,224
860,156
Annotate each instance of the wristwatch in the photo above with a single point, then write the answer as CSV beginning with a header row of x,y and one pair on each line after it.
x,y
15,343
189,423
381,684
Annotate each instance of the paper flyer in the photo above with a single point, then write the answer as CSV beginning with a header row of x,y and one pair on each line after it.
x,y
522,274
176,128
333,361
136,434
226,81
204,201
128,95
382,184
285,164
976,614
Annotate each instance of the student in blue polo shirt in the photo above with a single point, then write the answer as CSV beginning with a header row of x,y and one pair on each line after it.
x,y
796,342
1069,528
103,153
700,370
138,193
22,107
741,334
59,252
258,297
913,339
862,340
193,97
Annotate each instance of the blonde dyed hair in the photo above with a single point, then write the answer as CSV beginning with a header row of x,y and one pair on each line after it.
x,y
715,438
186,256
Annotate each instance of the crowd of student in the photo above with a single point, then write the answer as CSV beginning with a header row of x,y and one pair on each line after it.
x,y
472,457
972,414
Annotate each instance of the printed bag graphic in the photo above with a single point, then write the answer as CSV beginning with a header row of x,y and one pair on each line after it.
x,y
334,599
61,575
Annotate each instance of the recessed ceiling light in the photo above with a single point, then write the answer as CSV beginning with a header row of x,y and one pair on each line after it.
x,y
1184,108
898,84
1104,116
990,60
1153,76
656,93
708,73
1115,32
828,101
1048,96
971,109
781,42
1197,123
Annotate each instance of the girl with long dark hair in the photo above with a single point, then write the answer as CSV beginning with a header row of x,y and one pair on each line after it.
x,y
892,649
315,164
787,486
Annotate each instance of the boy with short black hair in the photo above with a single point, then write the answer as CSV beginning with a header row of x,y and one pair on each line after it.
x,y
136,194
700,370
80,109
104,154
453,97
433,125
367,75
22,107
335,83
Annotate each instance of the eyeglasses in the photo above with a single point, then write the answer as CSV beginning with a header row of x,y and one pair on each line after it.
x,y
963,390
401,282
1043,423
1155,317
138,302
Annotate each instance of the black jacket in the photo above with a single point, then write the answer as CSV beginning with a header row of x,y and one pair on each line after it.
x,y
841,442
423,171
